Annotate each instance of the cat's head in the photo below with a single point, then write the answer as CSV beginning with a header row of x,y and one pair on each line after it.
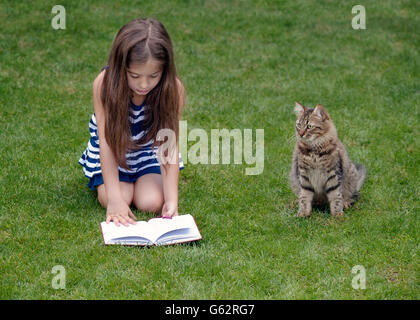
x,y
312,124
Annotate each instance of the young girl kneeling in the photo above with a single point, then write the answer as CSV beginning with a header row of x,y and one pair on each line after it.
x,y
136,95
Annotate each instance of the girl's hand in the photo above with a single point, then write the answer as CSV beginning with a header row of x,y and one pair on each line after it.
x,y
170,209
119,212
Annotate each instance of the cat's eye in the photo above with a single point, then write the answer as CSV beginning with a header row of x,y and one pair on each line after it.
x,y
310,126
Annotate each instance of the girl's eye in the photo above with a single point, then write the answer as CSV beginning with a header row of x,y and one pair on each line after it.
x,y
154,76
133,76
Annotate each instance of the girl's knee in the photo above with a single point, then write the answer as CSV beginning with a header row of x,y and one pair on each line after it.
x,y
127,192
102,198
149,202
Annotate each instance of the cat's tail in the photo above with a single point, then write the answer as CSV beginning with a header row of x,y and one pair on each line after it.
x,y
361,170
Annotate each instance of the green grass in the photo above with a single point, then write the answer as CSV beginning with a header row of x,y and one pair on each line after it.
x,y
243,63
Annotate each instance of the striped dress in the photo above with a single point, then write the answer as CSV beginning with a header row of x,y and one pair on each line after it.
x,y
139,162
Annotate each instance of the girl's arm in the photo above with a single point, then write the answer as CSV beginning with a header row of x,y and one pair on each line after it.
x,y
117,209
170,172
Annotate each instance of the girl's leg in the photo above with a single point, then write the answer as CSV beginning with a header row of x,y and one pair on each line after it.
x,y
127,191
148,193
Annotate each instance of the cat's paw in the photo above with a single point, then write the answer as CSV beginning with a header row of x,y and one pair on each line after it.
x,y
347,204
339,214
303,214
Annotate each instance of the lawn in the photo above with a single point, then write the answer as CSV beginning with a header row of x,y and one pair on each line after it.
x,y
243,64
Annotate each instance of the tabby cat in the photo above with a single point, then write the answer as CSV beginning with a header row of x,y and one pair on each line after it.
x,y
321,169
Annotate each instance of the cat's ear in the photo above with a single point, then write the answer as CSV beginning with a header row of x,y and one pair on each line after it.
x,y
299,109
320,112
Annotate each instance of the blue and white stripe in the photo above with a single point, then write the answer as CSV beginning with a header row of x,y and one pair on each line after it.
x,y
136,160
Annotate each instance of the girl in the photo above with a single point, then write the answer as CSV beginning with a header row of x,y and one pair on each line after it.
x,y
135,96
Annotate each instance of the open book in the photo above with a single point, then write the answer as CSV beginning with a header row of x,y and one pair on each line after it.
x,y
156,231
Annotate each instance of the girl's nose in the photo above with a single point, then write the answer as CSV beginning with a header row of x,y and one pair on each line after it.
x,y
143,84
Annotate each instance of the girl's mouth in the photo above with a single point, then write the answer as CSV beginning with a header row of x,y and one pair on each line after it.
x,y
142,92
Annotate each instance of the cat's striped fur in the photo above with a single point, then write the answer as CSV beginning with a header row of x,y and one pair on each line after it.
x,y
321,169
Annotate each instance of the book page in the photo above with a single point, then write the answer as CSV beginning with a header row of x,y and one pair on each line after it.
x,y
132,241
155,231
178,236
161,226
178,229
112,233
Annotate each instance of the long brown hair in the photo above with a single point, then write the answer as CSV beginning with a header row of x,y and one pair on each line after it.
x,y
136,42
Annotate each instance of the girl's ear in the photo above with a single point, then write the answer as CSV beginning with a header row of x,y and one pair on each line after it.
x,y
321,112
299,109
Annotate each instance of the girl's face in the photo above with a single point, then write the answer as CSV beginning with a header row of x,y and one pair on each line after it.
x,y
142,78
